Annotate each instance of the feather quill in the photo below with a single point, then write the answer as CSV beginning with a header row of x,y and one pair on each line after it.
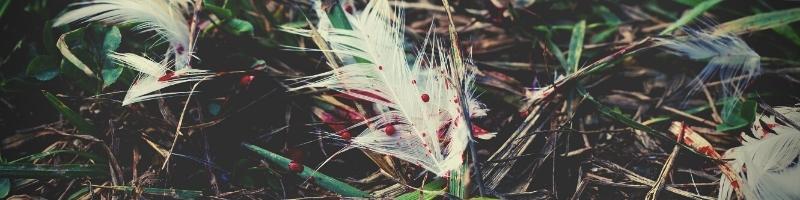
x,y
163,17
155,76
767,161
422,121
728,56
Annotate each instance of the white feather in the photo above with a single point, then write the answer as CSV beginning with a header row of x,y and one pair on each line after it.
x,y
429,133
767,163
163,17
729,57
155,76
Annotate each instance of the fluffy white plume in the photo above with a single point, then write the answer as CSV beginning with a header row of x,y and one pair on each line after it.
x,y
155,76
768,161
728,56
163,17
423,122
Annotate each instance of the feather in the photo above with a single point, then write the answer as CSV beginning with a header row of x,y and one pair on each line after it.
x,y
163,17
423,121
767,162
155,76
729,57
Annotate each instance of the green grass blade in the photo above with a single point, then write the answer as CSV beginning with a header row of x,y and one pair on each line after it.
x,y
458,182
44,154
555,50
575,47
67,171
759,22
429,191
690,16
320,179
74,118
172,193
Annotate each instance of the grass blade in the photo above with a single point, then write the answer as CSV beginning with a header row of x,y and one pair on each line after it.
x,y
67,53
74,118
320,179
172,193
67,171
689,16
428,191
575,47
759,22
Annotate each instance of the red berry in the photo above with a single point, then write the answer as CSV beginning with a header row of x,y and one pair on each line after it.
x,y
389,129
425,98
246,80
295,167
167,76
346,136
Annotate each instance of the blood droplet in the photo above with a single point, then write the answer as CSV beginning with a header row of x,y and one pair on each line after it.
x,y
425,98
414,82
167,76
346,136
380,67
295,167
389,129
246,80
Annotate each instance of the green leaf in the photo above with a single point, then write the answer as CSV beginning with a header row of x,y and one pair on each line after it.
x,y
111,70
607,15
429,191
43,67
171,193
74,118
217,10
575,47
339,18
67,52
66,171
742,115
238,27
759,22
79,194
555,50
690,16
3,6
5,187
320,179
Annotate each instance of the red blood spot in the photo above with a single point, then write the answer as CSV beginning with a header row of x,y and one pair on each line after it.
x,y
425,98
389,129
246,80
477,130
380,67
524,113
414,82
295,167
423,134
167,76
346,136
688,140
706,150
348,9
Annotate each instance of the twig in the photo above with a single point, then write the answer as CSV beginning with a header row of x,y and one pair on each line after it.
x,y
662,177
690,116
180,122
714,113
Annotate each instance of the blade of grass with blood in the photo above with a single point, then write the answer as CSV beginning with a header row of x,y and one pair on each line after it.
x,y
320,179
74,118
759,22
690,16
171,193
41,171
697,142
